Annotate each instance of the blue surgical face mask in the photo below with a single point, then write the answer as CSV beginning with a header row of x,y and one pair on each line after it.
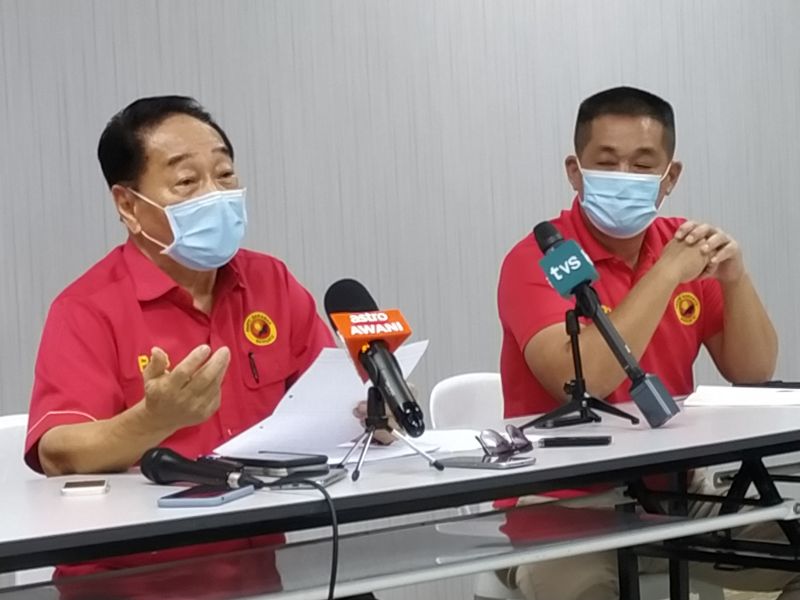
x,y
206,231
621,205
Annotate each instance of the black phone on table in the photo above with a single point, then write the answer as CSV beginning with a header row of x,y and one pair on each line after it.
x,y
279,464
578,440
299,479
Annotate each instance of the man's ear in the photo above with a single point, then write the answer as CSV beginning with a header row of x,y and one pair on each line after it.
x,y
671,180
125,201
573,173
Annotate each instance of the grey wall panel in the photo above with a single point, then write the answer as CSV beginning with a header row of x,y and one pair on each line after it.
x,y
407,143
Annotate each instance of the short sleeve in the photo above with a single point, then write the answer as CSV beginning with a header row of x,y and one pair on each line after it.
x,y
309,332
76,374
525,300
713,308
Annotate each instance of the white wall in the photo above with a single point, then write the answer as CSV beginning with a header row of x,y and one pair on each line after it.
x,y
408,143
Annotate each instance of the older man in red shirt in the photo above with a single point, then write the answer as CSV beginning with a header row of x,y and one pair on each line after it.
x,y
670,286
178,337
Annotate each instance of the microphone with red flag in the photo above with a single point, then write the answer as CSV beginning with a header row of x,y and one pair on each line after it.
x,y
371,336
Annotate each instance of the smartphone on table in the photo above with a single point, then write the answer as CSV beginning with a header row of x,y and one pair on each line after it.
x,y
85,487
299,479
280,464
502,462
204,495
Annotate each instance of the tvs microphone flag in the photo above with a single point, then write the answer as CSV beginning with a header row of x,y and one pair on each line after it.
x,y
567,266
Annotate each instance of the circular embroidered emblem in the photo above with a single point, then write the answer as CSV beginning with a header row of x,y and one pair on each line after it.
x,y
687,307
259,329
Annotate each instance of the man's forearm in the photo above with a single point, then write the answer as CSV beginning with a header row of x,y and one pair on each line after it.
x,y
749,344
104,446
636,318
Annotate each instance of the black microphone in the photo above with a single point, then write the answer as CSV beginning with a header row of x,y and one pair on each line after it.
x,y
349,296
165,467
647,390
547,236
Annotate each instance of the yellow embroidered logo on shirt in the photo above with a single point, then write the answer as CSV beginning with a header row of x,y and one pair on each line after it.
x,y
260,329
605,309
687,307
143,360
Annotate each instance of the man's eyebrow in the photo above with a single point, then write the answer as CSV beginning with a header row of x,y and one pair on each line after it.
x,y
174,160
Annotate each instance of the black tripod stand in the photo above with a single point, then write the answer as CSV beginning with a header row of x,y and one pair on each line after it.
x,y
580,402
377,419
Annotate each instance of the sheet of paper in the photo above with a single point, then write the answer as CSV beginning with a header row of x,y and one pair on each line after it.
x,y
378,451
316,414
433,440
461,440
715,395
451,440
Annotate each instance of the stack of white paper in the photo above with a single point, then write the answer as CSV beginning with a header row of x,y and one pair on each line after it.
x,y
714,395
316,414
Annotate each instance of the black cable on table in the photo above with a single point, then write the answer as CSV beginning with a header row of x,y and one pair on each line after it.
x,y
335,532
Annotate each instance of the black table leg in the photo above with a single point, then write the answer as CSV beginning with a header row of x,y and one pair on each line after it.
x,y
679,569
678,579
628,566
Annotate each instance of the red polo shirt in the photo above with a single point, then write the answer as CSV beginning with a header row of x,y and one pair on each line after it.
x,y
527,304
100,330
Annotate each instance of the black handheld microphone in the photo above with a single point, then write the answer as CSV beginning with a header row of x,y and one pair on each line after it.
x,y
349,296
574,278
165,466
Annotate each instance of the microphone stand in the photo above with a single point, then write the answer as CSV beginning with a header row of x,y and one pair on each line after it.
x,y
580,401
377,419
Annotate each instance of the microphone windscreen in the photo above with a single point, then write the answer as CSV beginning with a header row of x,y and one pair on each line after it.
x,y
348,295
546,236
152,460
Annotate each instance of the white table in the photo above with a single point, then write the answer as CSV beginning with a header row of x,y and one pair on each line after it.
x,y
427,552
39,526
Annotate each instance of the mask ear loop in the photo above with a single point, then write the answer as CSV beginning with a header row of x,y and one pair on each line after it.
x,y
142,231
666,171
661,180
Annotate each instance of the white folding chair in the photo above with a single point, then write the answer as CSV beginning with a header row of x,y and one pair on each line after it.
x,y
12,447
475,400
471,401
13,470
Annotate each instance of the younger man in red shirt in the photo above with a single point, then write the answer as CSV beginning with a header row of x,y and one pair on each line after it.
x,y
669,286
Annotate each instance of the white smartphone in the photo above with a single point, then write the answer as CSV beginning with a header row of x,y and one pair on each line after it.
x,y
204,495
85,487
488,462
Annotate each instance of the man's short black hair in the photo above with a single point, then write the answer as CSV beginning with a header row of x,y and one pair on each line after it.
x,y
121,148
628,102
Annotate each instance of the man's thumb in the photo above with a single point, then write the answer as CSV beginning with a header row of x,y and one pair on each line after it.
x,y
157,365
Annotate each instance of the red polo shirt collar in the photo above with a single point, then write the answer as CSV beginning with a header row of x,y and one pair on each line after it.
x,y
647,255
151,283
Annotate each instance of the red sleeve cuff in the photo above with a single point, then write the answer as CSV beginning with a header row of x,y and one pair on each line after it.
x,y
45,424
541,324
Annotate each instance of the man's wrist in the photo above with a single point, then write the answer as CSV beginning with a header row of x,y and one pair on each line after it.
x,y
668,272
152,422
731,285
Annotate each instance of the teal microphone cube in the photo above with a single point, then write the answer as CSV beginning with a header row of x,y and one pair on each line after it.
x,y
566,266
